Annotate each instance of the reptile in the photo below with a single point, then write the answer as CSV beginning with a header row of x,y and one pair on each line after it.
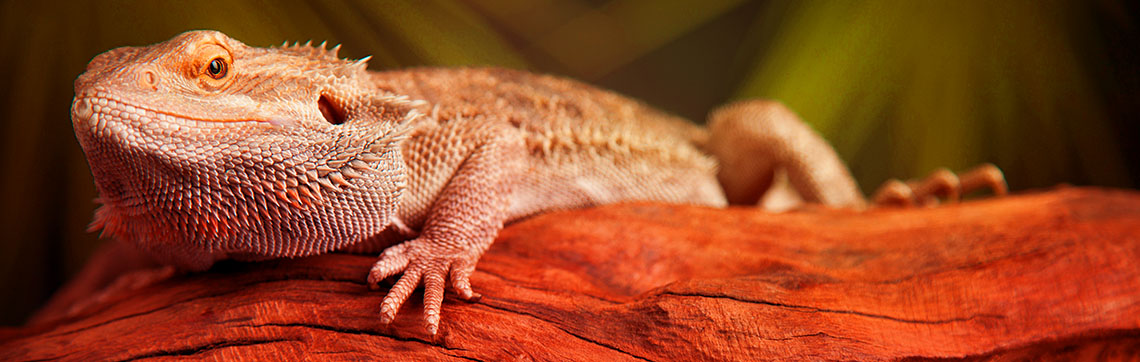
x,y
203,148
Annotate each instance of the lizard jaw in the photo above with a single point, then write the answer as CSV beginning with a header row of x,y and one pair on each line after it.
x,y
190,191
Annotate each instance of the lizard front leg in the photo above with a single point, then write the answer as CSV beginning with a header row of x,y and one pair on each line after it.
x,y
461,220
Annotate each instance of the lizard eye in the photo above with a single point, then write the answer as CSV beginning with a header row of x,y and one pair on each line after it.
x,y
217,68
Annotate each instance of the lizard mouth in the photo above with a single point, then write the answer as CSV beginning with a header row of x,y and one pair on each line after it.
x,y
95,108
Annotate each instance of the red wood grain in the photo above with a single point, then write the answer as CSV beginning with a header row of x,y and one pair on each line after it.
x,y
1045,275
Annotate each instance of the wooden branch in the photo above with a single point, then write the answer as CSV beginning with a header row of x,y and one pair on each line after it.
x,y
1045,274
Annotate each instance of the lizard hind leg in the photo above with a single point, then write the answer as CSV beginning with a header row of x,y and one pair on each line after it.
x,y
757,141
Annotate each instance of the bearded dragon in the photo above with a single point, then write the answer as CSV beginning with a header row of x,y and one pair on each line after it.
x,y
203,149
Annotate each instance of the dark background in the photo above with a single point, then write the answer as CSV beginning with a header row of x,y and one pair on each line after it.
x,y
1047,90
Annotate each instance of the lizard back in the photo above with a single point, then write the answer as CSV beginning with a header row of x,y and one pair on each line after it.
x,y
585,146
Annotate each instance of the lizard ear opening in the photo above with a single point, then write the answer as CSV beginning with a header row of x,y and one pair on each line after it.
x,y
332,113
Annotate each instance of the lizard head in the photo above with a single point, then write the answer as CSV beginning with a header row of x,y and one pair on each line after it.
x,y
204,148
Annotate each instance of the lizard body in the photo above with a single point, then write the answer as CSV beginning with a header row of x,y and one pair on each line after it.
x,y
203,149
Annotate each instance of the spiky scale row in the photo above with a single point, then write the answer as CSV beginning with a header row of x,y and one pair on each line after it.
x,y
314,51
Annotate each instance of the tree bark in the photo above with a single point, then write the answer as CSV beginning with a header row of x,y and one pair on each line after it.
x,y
1052,274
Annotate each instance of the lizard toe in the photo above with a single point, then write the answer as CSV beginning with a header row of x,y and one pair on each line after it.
x,y
392,261
399,294
461,281
434,281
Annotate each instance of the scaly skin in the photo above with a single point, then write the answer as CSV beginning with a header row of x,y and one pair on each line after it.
x,y
203,149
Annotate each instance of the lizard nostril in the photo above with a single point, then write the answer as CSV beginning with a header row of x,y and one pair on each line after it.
x,y
81,109
147,79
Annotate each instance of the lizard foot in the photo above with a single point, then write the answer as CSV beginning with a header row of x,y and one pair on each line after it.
x,y
941,184
419,260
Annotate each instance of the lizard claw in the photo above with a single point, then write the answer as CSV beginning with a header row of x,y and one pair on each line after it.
x,y
420,261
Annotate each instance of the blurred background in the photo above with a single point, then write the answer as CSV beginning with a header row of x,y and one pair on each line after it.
x,y
1047,90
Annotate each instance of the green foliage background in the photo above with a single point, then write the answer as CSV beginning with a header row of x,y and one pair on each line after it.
x,y
1047,90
